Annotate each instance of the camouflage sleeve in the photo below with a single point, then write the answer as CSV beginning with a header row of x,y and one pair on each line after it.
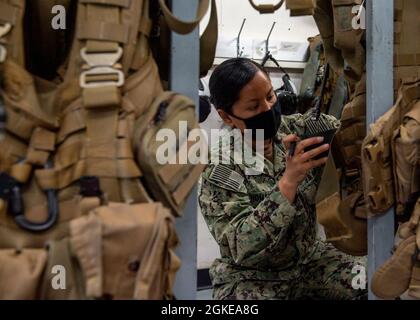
x,y
249,235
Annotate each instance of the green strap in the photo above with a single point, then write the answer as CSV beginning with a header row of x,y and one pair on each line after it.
x,y
208,42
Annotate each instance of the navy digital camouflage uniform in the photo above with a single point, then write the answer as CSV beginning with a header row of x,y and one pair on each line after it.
x,y
270,248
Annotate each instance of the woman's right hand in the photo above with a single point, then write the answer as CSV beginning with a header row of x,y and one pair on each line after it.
x,y
298,165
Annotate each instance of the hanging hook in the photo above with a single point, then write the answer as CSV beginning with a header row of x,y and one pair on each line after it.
x,y
268,55
267,41
238,44
359,14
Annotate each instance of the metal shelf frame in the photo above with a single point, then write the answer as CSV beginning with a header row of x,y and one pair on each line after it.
x,y
184,77
379,98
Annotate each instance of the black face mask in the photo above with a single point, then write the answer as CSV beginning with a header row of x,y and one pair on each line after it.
x,y
269,121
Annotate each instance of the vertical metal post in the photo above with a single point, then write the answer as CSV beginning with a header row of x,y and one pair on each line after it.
x,y
183,78
380,97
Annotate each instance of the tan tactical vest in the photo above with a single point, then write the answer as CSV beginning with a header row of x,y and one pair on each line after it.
x,y
391,162
73,188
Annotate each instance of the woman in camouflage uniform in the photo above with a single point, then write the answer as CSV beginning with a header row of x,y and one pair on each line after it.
x,y
265,224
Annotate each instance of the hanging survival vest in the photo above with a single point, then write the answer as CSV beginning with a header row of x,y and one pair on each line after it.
x,y
72,186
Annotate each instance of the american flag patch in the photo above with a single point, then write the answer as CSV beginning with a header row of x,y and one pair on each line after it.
x,y
226,177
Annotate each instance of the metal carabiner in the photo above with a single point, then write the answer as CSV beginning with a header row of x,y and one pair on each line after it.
x,y
16,208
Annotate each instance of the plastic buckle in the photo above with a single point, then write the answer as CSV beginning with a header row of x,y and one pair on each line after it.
x,y
100,64
101,58
97,71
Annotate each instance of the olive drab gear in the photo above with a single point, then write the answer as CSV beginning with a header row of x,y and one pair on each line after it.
x,y
344,44
311,78
336,90
71,184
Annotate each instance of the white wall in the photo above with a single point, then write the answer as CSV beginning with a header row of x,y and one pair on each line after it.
x,y
289,31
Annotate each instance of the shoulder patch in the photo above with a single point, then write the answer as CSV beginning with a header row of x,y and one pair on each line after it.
x,y
226,177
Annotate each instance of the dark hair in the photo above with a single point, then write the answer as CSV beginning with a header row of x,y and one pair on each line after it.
x,y
228,79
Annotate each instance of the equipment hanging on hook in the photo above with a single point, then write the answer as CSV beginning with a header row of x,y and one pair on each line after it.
x,y
266,8
268,56
287,93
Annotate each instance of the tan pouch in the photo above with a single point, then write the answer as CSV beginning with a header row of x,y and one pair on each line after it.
x,y
143,86
126,251
377,170
21,273
161,148
406,157
392,279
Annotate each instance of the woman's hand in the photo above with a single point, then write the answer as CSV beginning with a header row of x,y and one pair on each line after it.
x,y
298,165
